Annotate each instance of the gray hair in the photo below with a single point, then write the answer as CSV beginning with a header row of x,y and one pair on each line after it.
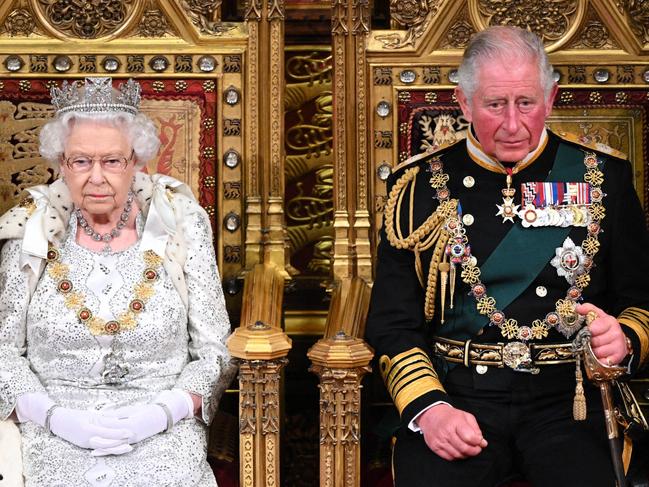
x,y
503,42
139,129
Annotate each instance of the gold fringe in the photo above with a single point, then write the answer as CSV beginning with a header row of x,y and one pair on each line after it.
x,y
452,284
443,272
435,263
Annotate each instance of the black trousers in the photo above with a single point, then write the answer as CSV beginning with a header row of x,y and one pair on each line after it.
x,y
527,421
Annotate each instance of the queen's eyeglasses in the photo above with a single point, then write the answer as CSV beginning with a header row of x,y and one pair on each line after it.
x,y
111,163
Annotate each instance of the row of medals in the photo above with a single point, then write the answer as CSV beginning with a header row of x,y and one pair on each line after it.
x,y
572,261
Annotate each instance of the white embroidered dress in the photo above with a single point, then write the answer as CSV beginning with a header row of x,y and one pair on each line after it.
x,y
44,346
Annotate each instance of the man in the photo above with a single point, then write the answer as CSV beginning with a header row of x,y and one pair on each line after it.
x,y
493,251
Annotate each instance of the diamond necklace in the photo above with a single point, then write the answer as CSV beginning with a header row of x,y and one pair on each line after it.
x,y
108,237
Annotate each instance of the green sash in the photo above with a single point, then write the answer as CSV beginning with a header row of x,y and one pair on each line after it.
x,y
517,260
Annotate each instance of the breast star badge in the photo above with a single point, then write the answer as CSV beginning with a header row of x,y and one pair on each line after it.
x,y
568,260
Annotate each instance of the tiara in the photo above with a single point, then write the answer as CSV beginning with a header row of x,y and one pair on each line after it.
x,y
96,95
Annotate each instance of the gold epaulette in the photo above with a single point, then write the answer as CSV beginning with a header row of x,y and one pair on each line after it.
x,y
598,146
638,320
408,376
422,155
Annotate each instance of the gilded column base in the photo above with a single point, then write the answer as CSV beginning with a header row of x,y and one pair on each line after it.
x,y
340,362
259,459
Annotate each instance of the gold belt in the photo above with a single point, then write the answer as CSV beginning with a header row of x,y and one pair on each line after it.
x,y
516,355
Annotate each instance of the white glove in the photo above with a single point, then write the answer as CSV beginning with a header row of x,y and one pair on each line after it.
x,y
33,406
146,420
79,427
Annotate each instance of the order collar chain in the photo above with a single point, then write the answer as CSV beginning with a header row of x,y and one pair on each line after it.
x,y
564,318
76,300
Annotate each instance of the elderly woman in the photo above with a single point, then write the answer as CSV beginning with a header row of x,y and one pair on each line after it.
x,y
112,317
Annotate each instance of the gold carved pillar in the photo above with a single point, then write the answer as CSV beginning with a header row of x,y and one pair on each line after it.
x,y
265,232
350,28
261,347
340,360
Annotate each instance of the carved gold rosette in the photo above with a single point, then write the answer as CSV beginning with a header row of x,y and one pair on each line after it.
x,y
86,20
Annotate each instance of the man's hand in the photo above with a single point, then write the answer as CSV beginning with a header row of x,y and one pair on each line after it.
x,y
608,340
451,433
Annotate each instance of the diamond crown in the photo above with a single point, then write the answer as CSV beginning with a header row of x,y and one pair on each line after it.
x,y
96,95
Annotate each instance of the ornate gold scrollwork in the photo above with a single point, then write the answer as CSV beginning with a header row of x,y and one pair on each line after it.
x,y
554,21
22,166
315,136
414,16
309,153
206,15
310,68
408,12
547,18
322,256
314,215
310,210
86,20
638,15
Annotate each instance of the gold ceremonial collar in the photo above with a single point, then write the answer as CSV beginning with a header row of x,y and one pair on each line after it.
x,y
481,158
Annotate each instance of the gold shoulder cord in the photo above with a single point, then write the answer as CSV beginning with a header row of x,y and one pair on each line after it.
x,y
428,234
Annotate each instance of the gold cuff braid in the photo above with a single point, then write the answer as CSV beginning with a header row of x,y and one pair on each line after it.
x,y
638,320
408,376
